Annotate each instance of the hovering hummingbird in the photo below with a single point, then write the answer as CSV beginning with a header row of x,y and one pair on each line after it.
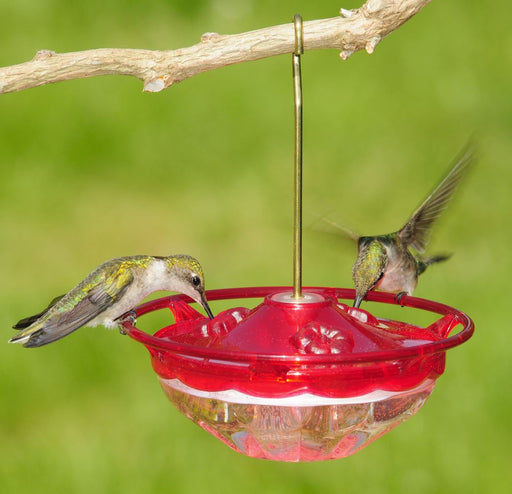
x,y
385,261
110,291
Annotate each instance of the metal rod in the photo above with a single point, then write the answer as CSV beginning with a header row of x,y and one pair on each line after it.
x,y
297,217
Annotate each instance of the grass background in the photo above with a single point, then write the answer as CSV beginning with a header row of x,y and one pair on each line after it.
x,y
94,169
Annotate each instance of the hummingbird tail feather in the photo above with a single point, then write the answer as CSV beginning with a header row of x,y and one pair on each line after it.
x,y
19,338
40,336
28,321
25,335
439,258
425,263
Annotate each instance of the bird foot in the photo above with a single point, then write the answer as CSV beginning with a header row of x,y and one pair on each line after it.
x,y
130,316
399,297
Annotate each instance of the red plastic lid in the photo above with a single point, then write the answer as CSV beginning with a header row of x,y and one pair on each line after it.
x,y
285,347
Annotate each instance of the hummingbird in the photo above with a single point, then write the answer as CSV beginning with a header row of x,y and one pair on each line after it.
x,y
385,262
109,292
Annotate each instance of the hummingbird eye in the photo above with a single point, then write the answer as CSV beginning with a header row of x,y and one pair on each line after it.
x,y
196,280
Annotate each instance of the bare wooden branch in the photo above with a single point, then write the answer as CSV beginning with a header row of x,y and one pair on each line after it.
x,y
352,31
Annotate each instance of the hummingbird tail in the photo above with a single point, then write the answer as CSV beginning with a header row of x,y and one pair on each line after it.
x,y
438,258
39,336
28,321
25,336
425,263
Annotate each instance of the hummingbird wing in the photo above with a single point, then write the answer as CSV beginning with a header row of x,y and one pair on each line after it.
x,y
68,314
99,298
332,227
416,232
27,321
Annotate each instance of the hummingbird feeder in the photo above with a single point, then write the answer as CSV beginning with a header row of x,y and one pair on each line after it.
x,y
301,376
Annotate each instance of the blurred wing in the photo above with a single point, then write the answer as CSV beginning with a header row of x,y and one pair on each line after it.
x,y
416,232
329,226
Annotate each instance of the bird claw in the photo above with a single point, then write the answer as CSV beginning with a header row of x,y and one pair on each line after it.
x,y
399,297
130,316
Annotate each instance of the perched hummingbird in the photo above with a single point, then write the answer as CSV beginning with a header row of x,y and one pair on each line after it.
x,y
110,291
385,261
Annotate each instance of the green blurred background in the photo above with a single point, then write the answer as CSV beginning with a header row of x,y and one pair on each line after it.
x,y
93,169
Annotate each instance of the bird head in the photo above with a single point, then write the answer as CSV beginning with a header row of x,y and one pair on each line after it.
x,y
187,277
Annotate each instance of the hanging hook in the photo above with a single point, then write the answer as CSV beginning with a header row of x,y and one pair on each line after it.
x,y
297,217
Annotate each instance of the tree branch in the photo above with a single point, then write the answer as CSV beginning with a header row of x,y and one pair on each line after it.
x,y
352,31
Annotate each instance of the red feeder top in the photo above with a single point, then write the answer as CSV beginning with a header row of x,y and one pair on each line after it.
x,y
286,347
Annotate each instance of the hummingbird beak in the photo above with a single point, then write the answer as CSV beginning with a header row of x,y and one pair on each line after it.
x,y
206,307
357,301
